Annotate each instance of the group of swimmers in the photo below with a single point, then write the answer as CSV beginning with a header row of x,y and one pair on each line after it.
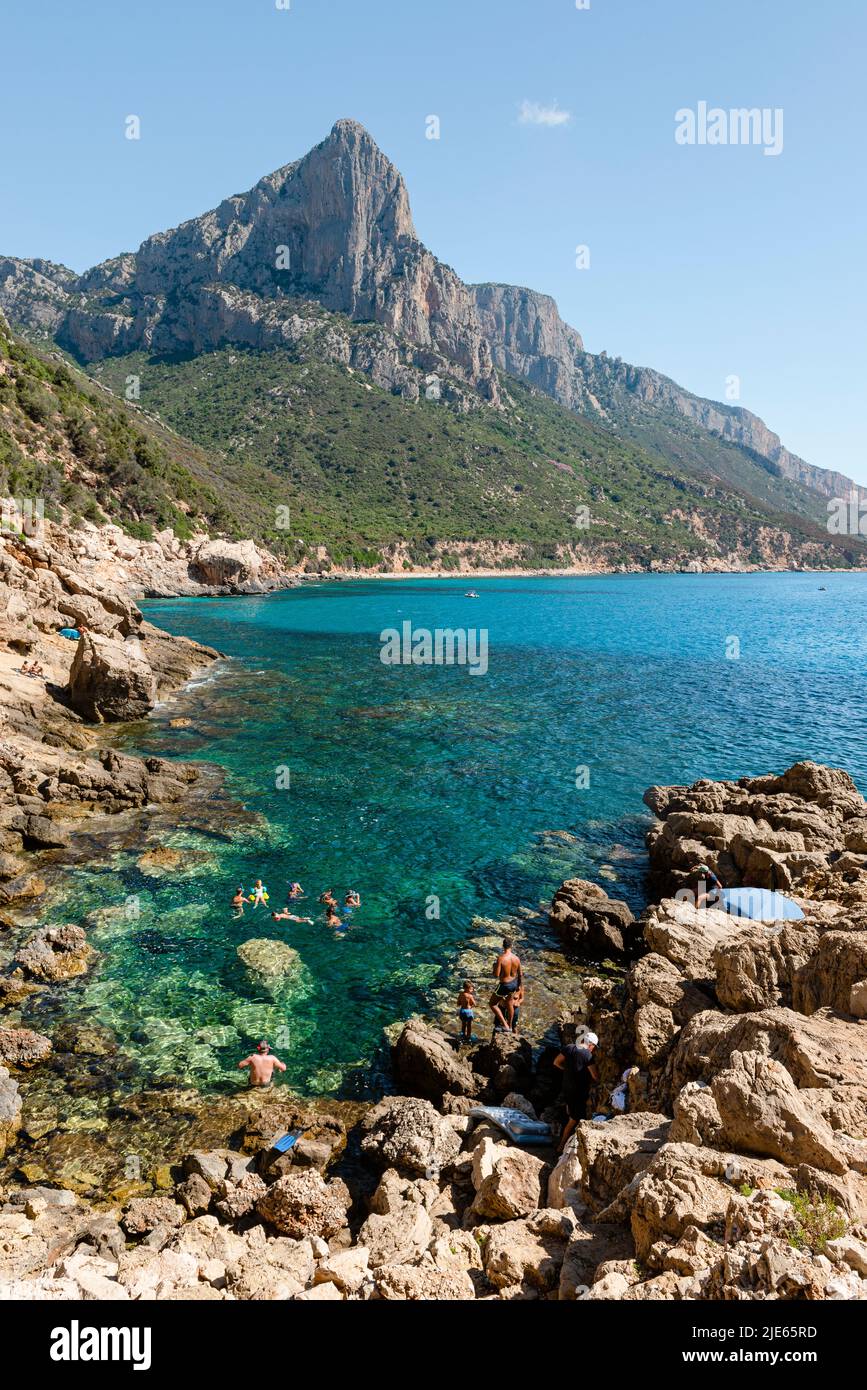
x,y
506,1001
335,916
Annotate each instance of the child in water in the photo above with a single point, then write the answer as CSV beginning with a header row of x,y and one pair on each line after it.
x,y
466,1005
260,894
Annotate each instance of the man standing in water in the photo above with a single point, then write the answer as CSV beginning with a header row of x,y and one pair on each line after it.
x,y
262,1065
509,975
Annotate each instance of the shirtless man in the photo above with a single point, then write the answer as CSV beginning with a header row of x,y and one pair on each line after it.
x,y
262,1065
509,975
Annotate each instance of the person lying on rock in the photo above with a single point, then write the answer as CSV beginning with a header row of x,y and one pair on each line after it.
x,y
262,1065
508,972
576,1064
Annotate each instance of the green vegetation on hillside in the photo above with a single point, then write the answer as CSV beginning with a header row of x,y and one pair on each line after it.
x,y
309,458
360,469
73,445
671,437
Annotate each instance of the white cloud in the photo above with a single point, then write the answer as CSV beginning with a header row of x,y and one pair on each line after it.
x,y
534,113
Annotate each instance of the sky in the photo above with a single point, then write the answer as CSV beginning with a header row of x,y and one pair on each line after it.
x,y
729,269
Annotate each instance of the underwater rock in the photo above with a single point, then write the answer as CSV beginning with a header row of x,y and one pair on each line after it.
x,y
160,859
266,957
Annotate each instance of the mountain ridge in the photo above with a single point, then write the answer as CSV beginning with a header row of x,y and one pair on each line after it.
x,y
349,243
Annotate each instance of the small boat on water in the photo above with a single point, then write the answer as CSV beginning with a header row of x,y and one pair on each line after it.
x,y
471,593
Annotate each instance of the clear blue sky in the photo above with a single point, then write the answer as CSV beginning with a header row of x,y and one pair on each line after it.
x,y
706,262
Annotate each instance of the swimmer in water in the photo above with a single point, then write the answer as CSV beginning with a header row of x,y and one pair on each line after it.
x,y
287,916
238,902
260,893
296,891
262,1065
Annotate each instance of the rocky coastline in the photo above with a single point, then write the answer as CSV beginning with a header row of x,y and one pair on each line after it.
x,y
738,1170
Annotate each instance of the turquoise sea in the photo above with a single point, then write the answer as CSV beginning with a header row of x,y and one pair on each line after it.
x,y
427,788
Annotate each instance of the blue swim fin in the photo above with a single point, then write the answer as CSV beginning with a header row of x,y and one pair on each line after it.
x,y
288,1141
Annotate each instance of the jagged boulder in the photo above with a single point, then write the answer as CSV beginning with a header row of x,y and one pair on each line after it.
x,y
110,681
591,922
507,1061
684,1186
821,1051
10,1111
303,1204
272,1271
55,953
528,1253
834,976
687,936
611,1153
22,1048
763,1112
398,1237
406,1133
565,1179
145,1214
757,966
426,1064
510,1185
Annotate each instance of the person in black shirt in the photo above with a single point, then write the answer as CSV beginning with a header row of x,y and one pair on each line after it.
x,y
576,1064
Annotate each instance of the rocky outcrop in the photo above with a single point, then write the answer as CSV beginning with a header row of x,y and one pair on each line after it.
x,y
10,1110
410,1136
54,954
509,1182
21,1047
792,833
426,1064
110,681
593,923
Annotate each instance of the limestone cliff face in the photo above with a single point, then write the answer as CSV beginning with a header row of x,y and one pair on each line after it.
x,y
529,339
335,230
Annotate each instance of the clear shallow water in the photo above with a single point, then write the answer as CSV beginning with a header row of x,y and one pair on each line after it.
x,y
408,782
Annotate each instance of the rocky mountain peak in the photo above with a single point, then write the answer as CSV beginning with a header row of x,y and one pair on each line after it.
x,y
335,227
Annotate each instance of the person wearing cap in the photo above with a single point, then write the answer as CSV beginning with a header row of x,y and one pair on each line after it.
x,y
262,1065
576,1064
709,887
